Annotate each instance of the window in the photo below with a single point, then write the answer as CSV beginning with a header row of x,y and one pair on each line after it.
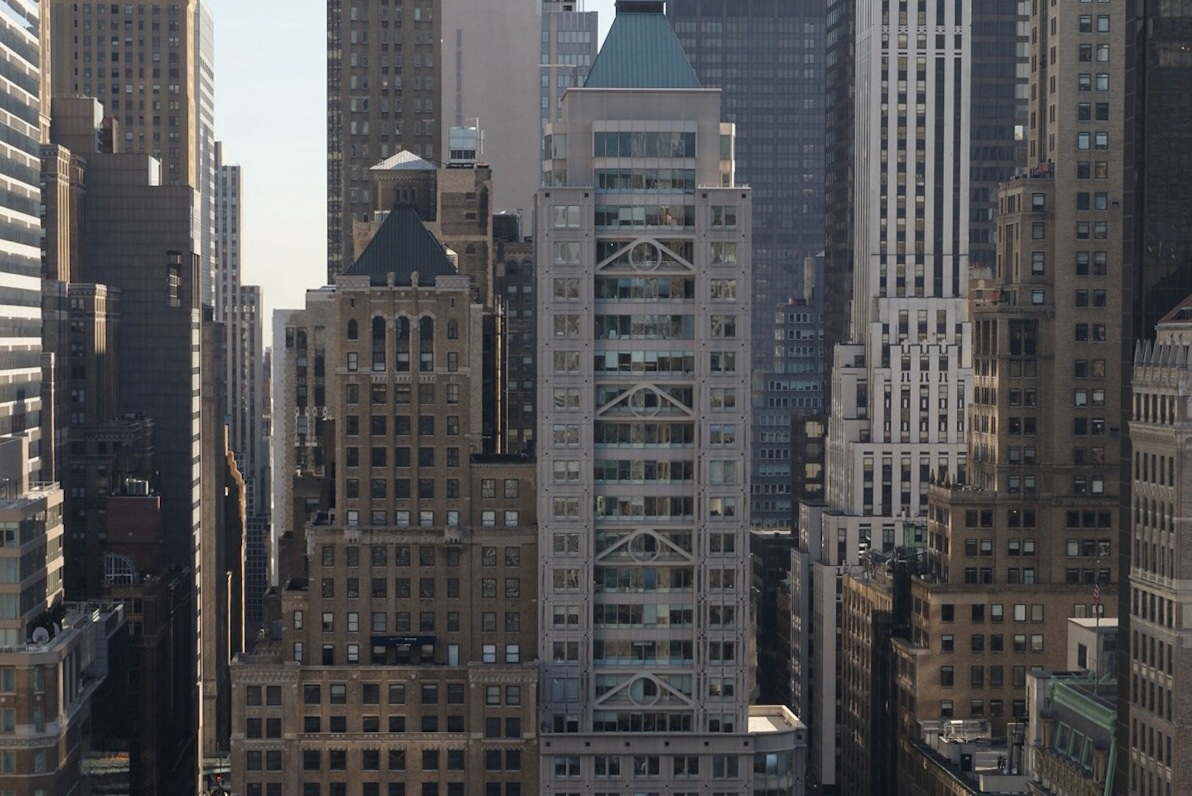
x,y
724,216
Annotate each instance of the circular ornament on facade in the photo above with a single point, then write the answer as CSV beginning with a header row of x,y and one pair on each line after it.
x,y
644,692
639,407
644,547
645,256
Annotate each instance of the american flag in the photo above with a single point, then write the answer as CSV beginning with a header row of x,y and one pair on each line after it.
x,y
1096,594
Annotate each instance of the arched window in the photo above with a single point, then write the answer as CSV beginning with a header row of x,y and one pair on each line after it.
x,y
527,269
470,249
378,344
426,344
353,330
453,329
119,568
402,362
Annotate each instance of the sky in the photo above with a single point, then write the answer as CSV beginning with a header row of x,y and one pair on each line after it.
x,y
270,112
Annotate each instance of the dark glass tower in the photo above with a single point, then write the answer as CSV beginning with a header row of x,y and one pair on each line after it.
x,y
767,56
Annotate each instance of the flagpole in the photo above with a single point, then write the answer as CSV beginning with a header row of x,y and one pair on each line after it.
x,y
1097,603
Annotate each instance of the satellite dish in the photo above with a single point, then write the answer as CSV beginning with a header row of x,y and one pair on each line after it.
x,y
41,635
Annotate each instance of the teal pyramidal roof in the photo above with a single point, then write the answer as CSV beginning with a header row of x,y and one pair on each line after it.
x,y
402,247
641,51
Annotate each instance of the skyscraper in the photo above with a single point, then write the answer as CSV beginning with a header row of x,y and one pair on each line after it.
x,y
150,63
1160,727
20,240
1157,270
901,182
481,40
384,95
238,308
1034,515
767,57
643,277
570,40
410,662
405,87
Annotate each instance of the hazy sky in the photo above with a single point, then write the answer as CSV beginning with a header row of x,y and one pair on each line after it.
x,y
270,102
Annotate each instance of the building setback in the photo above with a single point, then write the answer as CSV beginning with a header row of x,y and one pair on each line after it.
x,y
643,277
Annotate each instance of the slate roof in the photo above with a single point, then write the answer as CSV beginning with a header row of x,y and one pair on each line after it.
x,y
402,246
641,51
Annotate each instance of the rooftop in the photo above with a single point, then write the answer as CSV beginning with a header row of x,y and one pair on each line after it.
x,y
404,161
772,718
641,51
402,247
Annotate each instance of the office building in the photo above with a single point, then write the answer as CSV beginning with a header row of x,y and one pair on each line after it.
x,y
915,208
20,241
301,421
840,123
481,40
1157,231
1035,511
1159,661
789,394
767,57
238,307
151,64
901,384
132,225
139,240
643,352
514,281
570,39
54,657
876,607
384,95
401,79
420,670
964,758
